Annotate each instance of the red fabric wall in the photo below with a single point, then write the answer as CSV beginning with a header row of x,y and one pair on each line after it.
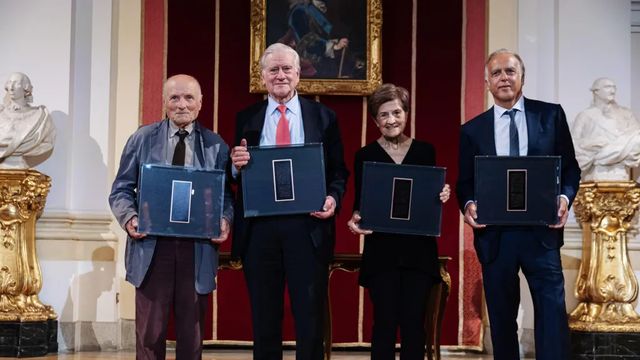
x,y
189,48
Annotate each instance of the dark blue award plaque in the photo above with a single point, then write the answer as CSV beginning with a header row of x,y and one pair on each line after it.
x,y
282,180
402,199
518,190
180,201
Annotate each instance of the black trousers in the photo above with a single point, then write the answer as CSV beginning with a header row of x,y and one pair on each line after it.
x,y
280,249
399,298
170,283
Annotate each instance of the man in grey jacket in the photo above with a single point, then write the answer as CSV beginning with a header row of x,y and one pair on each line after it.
x,y
170,272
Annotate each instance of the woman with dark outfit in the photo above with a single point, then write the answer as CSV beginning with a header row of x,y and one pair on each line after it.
x,y
399,270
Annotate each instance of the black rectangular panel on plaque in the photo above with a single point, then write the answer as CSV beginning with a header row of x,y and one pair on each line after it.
x,y
283,180
180,201
402,199
517,190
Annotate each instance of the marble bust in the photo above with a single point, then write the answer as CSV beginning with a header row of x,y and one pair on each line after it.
x,y
27,132
606,136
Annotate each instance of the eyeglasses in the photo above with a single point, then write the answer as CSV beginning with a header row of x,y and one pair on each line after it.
x,y
276,70
384,116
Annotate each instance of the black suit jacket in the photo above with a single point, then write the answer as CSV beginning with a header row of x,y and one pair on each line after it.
x,y
320,126
548,134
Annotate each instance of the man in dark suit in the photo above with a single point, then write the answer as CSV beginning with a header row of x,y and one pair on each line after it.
x,y
538,128
169,271
295,248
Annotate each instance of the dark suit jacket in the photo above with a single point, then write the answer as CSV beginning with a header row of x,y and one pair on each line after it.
x,y
548,134
320,125
148,145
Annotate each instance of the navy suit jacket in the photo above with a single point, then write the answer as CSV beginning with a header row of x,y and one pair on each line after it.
x,y
148,145
320,126
548,134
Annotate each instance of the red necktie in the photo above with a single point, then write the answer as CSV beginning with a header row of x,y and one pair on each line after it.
x,y
282,131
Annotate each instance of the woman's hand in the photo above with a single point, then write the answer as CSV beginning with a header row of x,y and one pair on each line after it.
x,y
354,225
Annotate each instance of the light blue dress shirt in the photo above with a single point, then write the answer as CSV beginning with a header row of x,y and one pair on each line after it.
x,y
272,116
501,126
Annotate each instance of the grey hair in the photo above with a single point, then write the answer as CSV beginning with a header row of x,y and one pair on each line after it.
x,y
498,52
276,48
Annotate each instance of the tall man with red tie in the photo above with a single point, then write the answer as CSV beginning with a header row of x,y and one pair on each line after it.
x,y
170,272
292,248
518,126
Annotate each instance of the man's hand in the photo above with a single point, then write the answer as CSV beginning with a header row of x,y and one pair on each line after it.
x,y
240,155
445,193
132,228
328,209
470,216
354,225
563,213
341,44
224,232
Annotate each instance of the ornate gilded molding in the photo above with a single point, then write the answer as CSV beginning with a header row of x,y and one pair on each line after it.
x,y
606,285
23,195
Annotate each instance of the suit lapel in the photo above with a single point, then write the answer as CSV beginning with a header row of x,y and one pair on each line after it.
x,y
311,133
489,132
158,141
198,150
534,127
254,126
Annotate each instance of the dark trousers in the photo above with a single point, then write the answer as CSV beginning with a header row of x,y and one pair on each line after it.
x,y
542,267
280,249
399,298
170,284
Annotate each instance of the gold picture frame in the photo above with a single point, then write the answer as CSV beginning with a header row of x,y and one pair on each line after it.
x,y
271,19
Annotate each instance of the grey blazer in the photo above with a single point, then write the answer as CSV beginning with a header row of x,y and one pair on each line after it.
x,y
148,146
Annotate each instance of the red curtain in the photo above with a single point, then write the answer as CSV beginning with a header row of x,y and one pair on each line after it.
x,y
440,57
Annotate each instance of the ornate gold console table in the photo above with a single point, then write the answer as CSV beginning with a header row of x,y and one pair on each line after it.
x,y
27,326
351,262
605,322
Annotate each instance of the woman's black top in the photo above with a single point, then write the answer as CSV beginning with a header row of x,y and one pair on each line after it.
x,y
385,251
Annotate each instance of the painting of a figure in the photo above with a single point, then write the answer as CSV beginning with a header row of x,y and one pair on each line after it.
x,y
330,36
338,42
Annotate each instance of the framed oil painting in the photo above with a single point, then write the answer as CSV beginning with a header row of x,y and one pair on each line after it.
x,y
339,43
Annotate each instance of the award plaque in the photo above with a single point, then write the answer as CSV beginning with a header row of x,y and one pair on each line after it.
x,y
180,201
518,190
284,180
402,199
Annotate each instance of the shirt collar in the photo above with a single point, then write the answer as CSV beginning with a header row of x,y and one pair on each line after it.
x,y
498,110
293,105
173,128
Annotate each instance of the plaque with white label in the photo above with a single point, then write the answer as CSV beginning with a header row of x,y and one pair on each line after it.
x,y
518,190
401,199
282,180
180,201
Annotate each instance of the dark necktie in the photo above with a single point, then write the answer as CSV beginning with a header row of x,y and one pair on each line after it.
x,y
178,153
514,142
